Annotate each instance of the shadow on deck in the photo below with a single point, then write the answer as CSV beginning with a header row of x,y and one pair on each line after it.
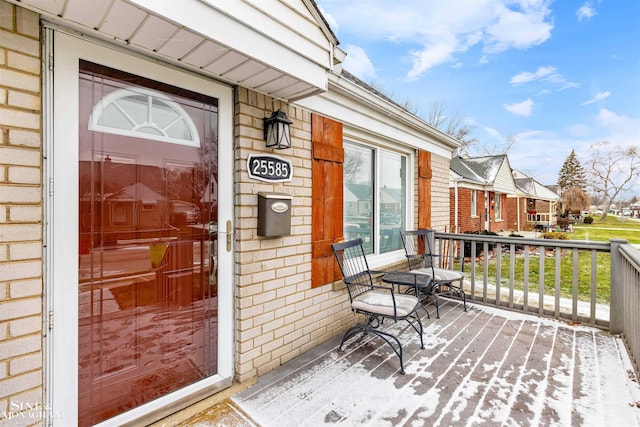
x,y
483,367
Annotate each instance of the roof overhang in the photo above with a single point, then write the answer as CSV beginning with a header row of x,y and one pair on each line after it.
x,y
284,50
364,111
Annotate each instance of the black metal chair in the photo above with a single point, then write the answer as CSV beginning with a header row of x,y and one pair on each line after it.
x,y
375,302
420,256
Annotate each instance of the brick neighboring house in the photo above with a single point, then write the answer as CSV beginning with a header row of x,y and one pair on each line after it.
x,y
479,189
486,194
133,279
538,204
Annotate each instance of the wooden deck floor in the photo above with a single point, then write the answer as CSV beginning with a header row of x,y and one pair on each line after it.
x,y
483,367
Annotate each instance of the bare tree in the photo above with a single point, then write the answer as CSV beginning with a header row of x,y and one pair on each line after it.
x,y
453,124
504,148
353,162
612,171
437,114
597,199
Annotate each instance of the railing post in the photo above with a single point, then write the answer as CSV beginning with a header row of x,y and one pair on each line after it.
x,y
616,299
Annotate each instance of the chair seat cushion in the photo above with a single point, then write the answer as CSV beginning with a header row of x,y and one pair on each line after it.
x,y
382,303
441,274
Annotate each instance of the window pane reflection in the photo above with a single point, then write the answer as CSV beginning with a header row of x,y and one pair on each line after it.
x,y
358,194
147,314
375,205
392,200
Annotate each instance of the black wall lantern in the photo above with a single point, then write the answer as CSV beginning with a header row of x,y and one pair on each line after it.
x,y
277,133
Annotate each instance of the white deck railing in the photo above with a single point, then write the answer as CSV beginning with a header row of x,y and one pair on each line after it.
x,y
625,296
595,283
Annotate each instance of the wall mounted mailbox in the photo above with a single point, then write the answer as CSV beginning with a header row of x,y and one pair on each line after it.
x,y
274,214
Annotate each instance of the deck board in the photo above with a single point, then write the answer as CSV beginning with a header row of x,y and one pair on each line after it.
x,y
485,366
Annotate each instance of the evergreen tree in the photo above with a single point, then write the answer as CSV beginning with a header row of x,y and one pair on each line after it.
x,y
572,173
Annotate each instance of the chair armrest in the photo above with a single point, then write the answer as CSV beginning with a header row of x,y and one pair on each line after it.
x,y
430,256
376,272
383,288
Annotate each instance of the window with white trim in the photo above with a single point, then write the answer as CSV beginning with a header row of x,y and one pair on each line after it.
x,y
474,202
375,196
498,206
144,113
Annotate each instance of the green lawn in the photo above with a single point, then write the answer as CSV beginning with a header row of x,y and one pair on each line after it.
x,y
566,278
610,227
599,230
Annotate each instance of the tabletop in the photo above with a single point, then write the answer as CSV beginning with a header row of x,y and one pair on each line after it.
x,y
419,280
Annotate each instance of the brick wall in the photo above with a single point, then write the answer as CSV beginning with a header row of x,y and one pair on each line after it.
x,y
465,221
278,314
514,208
21,210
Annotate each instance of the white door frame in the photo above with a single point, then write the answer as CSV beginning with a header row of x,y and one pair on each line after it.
x,y
61,112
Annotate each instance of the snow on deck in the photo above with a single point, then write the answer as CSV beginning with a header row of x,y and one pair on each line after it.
x,y
483,367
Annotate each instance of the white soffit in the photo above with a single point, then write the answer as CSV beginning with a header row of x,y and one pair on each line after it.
x,y
274,47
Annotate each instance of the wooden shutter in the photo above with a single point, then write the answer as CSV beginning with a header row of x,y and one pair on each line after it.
x,y
327,198
424,189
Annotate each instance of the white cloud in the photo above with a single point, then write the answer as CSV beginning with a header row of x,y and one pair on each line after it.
x,y
579,129
425,59
524,108
527,134
492,132
519,29
526,77
548,74
434,31
623,130
586,11
330,19
598,97
569,85
358,63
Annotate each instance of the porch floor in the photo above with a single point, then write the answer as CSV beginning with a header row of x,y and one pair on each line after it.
x,y
483,367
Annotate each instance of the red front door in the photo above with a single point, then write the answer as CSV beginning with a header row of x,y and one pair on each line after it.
x,y
147,263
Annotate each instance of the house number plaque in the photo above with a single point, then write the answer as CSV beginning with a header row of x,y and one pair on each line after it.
x,y
269,168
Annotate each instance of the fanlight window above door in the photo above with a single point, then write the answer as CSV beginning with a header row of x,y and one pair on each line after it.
x,y
144,113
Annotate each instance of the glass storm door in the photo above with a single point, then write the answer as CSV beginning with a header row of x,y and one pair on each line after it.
x,y
147,209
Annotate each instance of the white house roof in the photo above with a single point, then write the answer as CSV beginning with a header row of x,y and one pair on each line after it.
x,y
531,188
492,172
282,49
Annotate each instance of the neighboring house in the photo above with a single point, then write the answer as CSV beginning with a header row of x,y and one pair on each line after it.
x,y
479,189
145,117
537,204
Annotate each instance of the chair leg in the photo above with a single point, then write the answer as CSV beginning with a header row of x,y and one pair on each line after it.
x,y
419,329
425,310
432,295
389,338
455,289
464,297
398,351
354,330
460,291
435,297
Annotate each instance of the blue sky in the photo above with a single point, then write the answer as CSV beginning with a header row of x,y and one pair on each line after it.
x,y
556,75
